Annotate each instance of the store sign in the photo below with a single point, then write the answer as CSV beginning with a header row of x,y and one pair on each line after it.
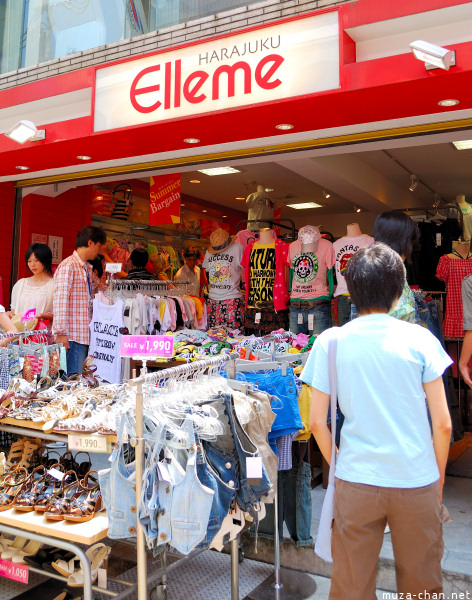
x,y
263,65
164,200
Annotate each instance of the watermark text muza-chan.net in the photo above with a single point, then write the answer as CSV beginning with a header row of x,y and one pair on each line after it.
x,y
426,596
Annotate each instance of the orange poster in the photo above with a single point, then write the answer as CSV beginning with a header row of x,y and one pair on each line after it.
x,y
164,200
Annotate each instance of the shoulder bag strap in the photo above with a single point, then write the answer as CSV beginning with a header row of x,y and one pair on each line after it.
x,y
332,347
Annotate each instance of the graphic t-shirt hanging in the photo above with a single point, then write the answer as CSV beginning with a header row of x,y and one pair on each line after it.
x,y
344,248
262,273
309,270
224,273
105,339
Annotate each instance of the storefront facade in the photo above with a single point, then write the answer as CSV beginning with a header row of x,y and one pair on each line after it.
x,y
216,89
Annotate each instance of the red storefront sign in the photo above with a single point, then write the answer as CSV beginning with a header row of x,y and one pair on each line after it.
x,y
164,200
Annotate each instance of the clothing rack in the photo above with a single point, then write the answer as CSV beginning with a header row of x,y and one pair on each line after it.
x,y
211,364
443,206
131,287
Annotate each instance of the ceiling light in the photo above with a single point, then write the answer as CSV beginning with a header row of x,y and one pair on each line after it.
x,y
357,208
191,140
240,198
326,194
448,102
433,56
25,131
224,216
219,171
84,157
284,126
413,182
304,205
269,189
463,145
204,210
195,181
21,168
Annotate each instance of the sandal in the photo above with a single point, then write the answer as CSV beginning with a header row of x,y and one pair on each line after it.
x,y
51,488
96,554
12,485
25,499
59,504
87,502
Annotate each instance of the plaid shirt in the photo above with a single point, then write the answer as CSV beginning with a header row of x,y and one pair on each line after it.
x,y
71,299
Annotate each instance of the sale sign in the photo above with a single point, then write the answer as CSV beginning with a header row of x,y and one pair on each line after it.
x,y
13,571
154,346
164,200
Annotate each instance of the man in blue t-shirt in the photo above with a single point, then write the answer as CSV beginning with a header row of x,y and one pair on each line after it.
x,y
389,467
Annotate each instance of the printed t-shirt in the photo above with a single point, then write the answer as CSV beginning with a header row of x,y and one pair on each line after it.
x,y
105,339
310,270
224,273
261,273
382,363
344,248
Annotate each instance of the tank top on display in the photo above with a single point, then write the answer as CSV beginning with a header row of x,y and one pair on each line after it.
x,y
105,339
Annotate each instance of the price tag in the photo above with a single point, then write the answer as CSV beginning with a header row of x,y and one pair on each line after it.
x,y
29,315
147,346
13,571
257,318
311,322
300,318
102,578
113,267
89,442
59,475
254,467
438,239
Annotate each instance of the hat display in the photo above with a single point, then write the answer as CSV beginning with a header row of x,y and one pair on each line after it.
x,y
308,234
220,240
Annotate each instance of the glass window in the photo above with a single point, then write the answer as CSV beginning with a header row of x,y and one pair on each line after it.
x,y
36,31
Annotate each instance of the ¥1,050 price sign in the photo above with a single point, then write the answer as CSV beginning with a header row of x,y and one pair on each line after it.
x,y
154,346
88,442
11,570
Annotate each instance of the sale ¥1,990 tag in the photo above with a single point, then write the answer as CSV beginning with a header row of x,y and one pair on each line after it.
x,y
161,346
88,442
13,571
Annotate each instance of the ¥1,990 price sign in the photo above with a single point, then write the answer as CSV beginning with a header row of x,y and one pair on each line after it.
x,y
88,442
11,570
153,346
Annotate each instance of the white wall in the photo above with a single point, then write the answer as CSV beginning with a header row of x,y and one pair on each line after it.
x,y
337,224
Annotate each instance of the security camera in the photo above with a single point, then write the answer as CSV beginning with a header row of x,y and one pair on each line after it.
x,y
433,56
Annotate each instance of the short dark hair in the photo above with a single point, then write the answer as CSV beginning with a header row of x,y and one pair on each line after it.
x,y
43,254
139,257
190,254
89,232
375,278
97,265
397,230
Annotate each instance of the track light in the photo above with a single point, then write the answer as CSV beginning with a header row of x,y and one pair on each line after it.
x,y
357,208
413,182
433,56
326,194
25,131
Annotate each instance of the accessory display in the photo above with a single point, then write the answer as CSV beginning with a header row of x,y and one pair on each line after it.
x,y
220,240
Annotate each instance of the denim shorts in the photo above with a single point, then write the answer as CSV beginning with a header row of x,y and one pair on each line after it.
x,y
321,319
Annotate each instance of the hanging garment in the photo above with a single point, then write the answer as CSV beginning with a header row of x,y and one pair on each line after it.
x,y
105,339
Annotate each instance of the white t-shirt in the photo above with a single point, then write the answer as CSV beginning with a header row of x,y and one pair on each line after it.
x,y
26,296
381,364
344,248
105,339
224,273
185,274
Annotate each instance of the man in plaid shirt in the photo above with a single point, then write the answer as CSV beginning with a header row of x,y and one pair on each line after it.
x,y
74,288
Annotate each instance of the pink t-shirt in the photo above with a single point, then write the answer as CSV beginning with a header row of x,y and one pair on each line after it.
x,y
309,270
344,248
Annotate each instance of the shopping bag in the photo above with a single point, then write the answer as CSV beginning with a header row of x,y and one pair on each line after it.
x,y
323,539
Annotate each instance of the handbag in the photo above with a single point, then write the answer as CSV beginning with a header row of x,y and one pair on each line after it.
x,y
323,539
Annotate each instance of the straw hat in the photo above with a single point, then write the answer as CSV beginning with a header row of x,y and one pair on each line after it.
x,y
20,325
220,240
